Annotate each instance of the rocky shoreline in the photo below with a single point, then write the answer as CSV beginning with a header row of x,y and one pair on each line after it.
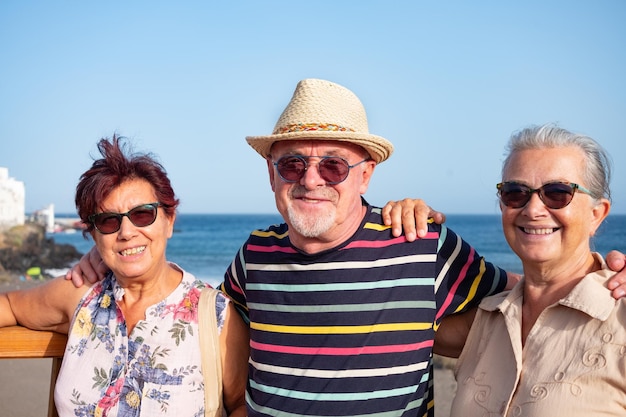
x,y
26,248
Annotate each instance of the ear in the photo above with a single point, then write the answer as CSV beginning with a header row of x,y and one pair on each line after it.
x,y
170,225
272,172
366,175
598,214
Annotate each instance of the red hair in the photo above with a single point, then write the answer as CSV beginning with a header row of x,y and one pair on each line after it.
x,y
118,165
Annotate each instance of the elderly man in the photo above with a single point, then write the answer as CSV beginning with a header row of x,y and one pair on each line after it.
x,y
342,314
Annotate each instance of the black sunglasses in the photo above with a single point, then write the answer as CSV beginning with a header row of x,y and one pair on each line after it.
x,y
555,195
332,169
141,216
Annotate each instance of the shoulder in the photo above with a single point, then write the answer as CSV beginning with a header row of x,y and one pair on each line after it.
x,y
373,220
497,301
273,232
592,296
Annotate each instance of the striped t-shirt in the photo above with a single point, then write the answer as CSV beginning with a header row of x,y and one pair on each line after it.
x,y
349,331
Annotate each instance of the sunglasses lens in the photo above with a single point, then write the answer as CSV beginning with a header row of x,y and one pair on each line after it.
x,y
333,170
554,195
107,222
557,195
140,216
143,216
514,195
291,168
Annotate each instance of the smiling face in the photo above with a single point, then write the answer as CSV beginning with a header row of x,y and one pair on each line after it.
x,y
544,237
320,215
134,252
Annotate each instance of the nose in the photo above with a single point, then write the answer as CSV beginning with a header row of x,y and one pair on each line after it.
x,y
312,178
127,228
535,204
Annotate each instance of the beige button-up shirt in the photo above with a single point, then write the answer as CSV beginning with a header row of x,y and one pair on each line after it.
x,y
573,363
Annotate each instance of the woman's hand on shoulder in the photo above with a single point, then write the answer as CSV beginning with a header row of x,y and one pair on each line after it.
x,y
617,262
89,269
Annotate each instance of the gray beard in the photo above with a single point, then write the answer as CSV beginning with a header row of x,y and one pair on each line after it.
x,y
309,226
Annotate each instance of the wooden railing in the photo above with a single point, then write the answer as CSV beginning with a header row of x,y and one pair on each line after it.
x,y
18,342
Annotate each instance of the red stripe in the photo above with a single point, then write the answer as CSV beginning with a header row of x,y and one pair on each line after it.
x,y
362,350
275,248
455,286
382,244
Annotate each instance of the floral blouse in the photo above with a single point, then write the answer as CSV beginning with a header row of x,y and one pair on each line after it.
x,y
156,370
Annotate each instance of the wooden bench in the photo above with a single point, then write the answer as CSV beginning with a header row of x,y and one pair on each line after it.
x,y
18,342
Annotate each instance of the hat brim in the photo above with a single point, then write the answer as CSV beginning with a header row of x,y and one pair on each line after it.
x,y
378,147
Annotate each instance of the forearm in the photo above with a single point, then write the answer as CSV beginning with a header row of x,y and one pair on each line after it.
x,y
235,351
452,333
44,307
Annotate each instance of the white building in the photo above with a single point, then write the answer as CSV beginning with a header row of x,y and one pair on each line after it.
x,y
11,200
45,217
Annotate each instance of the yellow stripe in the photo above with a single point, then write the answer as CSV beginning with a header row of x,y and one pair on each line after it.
x,y
474,288
263,233
389,327
375,226
381,227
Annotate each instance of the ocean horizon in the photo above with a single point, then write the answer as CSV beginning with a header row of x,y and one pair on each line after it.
x,y
205,244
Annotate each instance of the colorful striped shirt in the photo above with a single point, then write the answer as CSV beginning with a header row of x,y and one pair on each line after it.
x,y
349,331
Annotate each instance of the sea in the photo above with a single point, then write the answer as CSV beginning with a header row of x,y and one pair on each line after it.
x,y
205,244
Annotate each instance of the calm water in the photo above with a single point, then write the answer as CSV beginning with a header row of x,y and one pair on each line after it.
x,y
205,244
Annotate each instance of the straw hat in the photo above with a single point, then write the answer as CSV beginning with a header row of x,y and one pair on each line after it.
x,y
322,110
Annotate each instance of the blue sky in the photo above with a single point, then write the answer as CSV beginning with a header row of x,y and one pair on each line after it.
x,y
446,81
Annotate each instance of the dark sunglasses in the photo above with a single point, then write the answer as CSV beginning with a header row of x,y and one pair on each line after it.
x,y
141,216
555,195
332,169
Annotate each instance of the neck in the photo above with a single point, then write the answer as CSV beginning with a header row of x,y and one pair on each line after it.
x,y
546,284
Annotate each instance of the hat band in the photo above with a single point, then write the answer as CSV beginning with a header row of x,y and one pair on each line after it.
x,y
311,127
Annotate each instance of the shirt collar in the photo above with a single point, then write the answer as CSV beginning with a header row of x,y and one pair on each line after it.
x,y
590,296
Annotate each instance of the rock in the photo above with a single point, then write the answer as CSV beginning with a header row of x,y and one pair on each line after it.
x,y
26,246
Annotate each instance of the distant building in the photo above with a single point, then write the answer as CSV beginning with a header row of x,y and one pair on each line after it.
x,y
44,217
11,200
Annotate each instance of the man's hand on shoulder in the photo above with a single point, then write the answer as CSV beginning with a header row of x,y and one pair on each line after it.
x,y
410,215
90,268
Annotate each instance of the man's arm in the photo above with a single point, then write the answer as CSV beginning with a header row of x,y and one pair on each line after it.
x,y
234,351
407,214
453,330
452,333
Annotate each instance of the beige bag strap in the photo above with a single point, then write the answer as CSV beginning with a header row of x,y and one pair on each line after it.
x,y
210,350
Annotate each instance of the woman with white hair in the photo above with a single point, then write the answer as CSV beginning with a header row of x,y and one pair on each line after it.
x,y
556,343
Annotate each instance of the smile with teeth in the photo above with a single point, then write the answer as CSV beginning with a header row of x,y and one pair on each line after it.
x,y
545,231
133,251
310,200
